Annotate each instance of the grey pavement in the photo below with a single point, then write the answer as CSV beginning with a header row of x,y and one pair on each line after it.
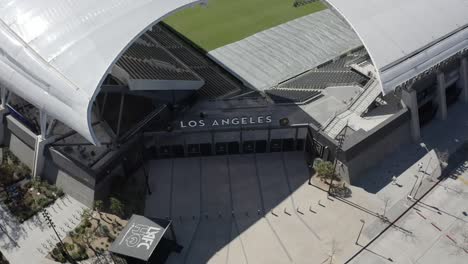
x,y
299,224
32,240
269,214
439,216
439,230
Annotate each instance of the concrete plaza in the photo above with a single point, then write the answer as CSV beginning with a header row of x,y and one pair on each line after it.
x,y
434,230
251,209
260,209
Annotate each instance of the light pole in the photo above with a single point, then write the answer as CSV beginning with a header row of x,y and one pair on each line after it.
x,y
423,145
360,231
51,224
341,140
143,164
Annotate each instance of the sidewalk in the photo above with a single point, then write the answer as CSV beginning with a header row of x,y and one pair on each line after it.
x,y
31,241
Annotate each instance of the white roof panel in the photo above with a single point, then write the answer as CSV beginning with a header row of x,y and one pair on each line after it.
x,y
55,53
406,37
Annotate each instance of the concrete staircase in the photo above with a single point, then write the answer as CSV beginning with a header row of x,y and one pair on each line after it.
x,y
365,100
359,106
337,124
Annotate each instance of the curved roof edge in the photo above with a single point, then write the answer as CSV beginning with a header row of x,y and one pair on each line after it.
x,y
405,38
55,54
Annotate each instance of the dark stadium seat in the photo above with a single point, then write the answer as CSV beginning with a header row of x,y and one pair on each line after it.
x,y
162,55
333,73
318,79
293,96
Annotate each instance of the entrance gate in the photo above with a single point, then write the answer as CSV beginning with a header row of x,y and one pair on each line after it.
x,y
225,142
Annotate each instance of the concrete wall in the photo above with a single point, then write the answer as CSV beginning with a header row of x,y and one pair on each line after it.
x,y
74,188
67,183
20,141
21,150
369,148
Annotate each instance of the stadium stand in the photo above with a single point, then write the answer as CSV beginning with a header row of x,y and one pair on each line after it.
x,y
333,73
217,83
159,54
152,69
293,96
337,65
145,59
324,79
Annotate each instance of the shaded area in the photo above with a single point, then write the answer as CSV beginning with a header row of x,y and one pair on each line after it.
x,y
236,209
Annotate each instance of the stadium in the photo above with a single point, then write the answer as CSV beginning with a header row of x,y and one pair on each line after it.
x,y
92,91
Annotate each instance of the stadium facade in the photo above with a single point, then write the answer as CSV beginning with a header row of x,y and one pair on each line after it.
x,y
92,89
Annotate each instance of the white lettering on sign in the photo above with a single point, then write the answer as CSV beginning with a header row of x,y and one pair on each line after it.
x,y
235,121
140,236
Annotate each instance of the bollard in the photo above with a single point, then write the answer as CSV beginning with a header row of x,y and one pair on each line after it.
x,y
312,211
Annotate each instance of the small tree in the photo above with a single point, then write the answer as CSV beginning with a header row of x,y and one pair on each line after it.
x,y
116,207
324,169
86,217
98,206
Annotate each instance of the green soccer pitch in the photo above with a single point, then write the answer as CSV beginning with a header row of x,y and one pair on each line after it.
x,y
226,21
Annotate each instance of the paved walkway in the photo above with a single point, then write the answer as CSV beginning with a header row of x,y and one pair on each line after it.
x,y
424,243
31,241
438,228
251,209
260,209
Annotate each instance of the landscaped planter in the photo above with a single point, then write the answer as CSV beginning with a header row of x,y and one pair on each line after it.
x,y
11,169
92,236
31,198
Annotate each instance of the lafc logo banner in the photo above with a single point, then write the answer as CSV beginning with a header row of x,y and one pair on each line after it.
x,y
235,121
140,236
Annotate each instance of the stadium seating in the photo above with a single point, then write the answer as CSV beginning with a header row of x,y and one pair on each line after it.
x,y
163,37
189,58
293,96
338,65
148,70
161,54
333,73
324,79
217,83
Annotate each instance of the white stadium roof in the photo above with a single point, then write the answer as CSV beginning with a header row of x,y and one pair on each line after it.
x,y
55,53
406,37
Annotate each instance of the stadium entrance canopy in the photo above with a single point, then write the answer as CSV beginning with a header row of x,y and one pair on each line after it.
x,y
56,54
